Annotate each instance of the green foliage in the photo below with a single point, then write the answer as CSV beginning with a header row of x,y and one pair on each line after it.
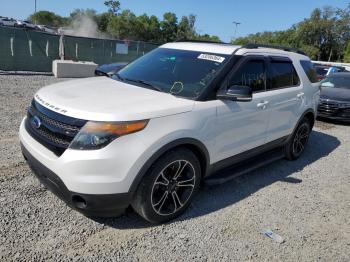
x,y
169,27
185,29
48,18
323,36
126,25
207,37
347,53
113,6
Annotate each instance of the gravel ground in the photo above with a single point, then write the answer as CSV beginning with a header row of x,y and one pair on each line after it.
x,y
307,202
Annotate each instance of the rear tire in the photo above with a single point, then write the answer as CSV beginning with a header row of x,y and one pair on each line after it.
x,y
168,187
296,145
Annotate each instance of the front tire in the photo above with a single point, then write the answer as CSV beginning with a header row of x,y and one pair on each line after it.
x,y
296,145
168,187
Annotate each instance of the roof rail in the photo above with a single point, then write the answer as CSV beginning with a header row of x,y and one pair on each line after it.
x,y
284,48
201,41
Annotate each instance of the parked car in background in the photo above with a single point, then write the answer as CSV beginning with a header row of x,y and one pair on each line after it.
x,y
5,21
109,69
65,31
46,29
335,97
324,70
321,71
24,24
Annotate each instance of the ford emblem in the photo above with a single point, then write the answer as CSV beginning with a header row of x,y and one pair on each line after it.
x,y
36,122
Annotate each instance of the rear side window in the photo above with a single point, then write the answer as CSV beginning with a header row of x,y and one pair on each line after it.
x,y
282,74
251,74
309,70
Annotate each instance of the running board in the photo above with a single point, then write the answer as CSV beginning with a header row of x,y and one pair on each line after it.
x,y
244,167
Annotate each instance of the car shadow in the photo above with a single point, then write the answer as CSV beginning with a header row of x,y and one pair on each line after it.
x,y
214,198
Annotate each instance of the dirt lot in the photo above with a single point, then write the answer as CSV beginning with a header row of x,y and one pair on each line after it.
x,y
307,202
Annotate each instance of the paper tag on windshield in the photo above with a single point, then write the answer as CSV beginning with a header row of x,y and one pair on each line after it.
x,y
209,57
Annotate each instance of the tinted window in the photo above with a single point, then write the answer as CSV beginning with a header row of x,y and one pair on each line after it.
x,y
309,70
250,74
282,74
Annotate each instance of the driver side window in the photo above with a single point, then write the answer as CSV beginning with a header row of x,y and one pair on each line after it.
x,y
251,74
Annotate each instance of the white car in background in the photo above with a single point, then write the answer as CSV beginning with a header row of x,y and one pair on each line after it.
x,y
47,29
5,21
24,24
147,137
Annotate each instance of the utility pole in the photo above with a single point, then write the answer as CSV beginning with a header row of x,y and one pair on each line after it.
x,y
34,10
236,25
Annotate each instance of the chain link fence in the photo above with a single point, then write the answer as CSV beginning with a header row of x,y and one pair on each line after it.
x,y
29,50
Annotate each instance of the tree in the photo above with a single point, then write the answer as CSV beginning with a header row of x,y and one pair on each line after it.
x,y
323,36
207,37
113,6
123,26
103,21
126,25
186,28
48,18
169,27
347,53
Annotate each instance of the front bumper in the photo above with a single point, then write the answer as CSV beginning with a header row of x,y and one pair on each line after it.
x,y
104,205
110,170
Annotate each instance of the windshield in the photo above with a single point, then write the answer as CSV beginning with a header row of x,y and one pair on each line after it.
x,y
179,72
337,82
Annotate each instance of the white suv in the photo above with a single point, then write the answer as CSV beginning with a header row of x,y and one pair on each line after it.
x,y
147,137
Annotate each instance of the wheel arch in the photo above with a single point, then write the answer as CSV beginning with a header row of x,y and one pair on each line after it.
x,y
196,146
308,114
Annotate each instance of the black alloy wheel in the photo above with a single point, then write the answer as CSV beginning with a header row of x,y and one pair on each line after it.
x,y
296,145
168,187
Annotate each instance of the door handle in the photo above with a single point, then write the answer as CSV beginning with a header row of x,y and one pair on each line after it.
x,y
300,95
262,104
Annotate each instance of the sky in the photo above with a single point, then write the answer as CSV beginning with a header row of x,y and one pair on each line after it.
x,y
214,17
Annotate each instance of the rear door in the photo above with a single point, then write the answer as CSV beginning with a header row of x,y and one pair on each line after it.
x,y
286,97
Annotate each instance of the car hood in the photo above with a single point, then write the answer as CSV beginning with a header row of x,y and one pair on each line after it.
x,y
339,94
105,99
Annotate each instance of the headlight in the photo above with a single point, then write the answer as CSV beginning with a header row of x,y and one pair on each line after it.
x,y
95,135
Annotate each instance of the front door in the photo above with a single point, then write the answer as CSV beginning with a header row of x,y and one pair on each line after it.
x,y
242,125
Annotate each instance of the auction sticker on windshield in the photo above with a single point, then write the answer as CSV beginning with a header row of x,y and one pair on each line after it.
x,y
209,57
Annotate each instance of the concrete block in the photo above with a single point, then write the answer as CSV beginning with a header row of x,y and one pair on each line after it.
x,y
71,69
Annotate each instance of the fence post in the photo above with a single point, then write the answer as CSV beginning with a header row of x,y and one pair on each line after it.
x,y
61,47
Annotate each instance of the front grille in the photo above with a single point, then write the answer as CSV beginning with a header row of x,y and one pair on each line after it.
x,y
345,113
333,109
328,108
56,131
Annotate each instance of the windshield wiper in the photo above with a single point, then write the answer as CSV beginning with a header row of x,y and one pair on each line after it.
x,y
119,77
143,82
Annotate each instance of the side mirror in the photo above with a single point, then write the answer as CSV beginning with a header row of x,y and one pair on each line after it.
x,y
236,93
